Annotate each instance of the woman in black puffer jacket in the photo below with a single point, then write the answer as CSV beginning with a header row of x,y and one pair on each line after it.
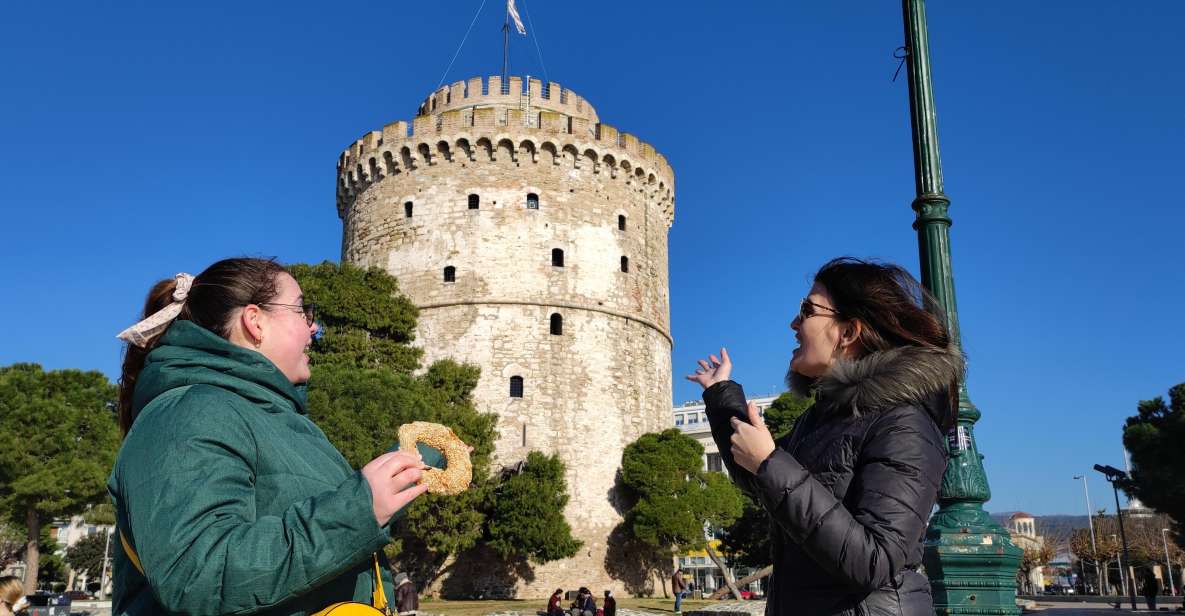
x,y
850,489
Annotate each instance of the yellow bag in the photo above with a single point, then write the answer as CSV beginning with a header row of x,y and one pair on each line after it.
x,y
341,608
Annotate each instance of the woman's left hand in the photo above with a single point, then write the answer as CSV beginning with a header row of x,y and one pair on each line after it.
x,y
751,442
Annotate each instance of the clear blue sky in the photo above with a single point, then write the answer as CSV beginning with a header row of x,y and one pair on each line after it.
x,y
141,139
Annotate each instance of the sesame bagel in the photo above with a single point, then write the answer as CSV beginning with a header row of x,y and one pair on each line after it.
x,y
452,480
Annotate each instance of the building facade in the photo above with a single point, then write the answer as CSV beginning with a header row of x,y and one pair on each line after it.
x,y
533,239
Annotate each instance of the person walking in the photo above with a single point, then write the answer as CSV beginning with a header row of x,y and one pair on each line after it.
x,y
228,498
850,488
1149,587
609,606
407,600
678,587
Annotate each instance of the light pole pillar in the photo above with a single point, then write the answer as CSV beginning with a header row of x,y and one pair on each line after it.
x,y
969,558
1093,546
1168,563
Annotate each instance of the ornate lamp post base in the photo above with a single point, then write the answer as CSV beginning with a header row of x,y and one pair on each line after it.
x,y
971,562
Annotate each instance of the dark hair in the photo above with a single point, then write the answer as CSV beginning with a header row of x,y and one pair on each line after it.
x,y
558,591
894,309
216,292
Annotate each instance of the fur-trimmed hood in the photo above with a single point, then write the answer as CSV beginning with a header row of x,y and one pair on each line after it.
x,y
887,379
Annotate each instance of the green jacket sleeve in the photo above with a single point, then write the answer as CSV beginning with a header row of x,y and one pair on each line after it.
x,y
190,506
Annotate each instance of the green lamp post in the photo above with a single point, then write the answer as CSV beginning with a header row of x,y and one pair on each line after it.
x,y
970,559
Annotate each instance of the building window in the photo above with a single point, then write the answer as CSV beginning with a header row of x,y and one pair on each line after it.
x,y
715,464
407,207
532,201
625,264
474,202
557,257
516,387
557,324
693,419
678,420
450,274
621,222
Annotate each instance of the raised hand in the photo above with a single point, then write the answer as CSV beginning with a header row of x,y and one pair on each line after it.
x,y
751,442
712,370
392,478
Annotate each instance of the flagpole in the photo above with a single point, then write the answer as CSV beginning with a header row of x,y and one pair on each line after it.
x,y
506,47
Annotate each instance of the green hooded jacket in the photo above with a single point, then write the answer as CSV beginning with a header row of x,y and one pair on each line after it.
x,y
234,500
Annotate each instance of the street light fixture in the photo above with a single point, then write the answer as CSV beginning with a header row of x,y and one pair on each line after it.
x,y
1113,475
1090,521
1168,563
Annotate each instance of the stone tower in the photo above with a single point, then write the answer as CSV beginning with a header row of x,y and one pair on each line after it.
x,y
533,239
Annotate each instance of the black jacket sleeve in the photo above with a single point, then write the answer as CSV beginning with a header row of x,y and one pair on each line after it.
x,y
868,541
725,400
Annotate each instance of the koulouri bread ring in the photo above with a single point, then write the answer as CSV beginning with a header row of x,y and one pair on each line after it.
x,y
452,480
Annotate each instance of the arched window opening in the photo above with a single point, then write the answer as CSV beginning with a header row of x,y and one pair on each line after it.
x,y
625,264
557,324
516,387
474,202
450,274
532,201
621,222
407,208
557,257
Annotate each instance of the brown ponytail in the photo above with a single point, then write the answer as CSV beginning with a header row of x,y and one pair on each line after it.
x,y
215,294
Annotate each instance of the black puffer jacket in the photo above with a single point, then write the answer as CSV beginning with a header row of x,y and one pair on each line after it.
x,y
850,489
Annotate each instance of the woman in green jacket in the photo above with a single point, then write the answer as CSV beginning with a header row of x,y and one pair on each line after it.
x,y
229,500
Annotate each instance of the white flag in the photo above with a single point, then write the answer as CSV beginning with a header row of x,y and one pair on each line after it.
x,y
518,22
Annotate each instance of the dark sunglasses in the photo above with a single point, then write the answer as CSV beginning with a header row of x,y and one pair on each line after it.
x,y
309,310
808,309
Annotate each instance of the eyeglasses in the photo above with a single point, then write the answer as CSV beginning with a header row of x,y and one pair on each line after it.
x,y
807,309
309,310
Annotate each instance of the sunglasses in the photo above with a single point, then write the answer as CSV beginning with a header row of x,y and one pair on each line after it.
x,y
808,309
309,310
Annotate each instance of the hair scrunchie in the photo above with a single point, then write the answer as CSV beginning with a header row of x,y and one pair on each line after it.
x,y
144,331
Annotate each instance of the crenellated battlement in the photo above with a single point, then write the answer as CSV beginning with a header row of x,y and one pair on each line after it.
x,y
485,134
529,94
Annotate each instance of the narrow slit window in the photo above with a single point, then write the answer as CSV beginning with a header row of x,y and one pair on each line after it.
x,y
532,201
516,387
407,208
557,257
557,324
621,222
474,202
450,274
625,264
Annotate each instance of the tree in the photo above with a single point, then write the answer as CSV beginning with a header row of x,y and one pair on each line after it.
x,y
87,554
12,545
527,518
1033,558
364,386
58,440
784,412
747,541
1153,437
675,500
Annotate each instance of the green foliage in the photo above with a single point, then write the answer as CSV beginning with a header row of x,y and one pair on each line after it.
x,y
1153,437
528,513
747,541
51,567
367,323
58,440
784,412
675,497
363,387
86,555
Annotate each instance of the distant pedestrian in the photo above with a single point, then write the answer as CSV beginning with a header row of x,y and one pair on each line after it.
x,y
407,600
678,587
553,604
1149,587
609,607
